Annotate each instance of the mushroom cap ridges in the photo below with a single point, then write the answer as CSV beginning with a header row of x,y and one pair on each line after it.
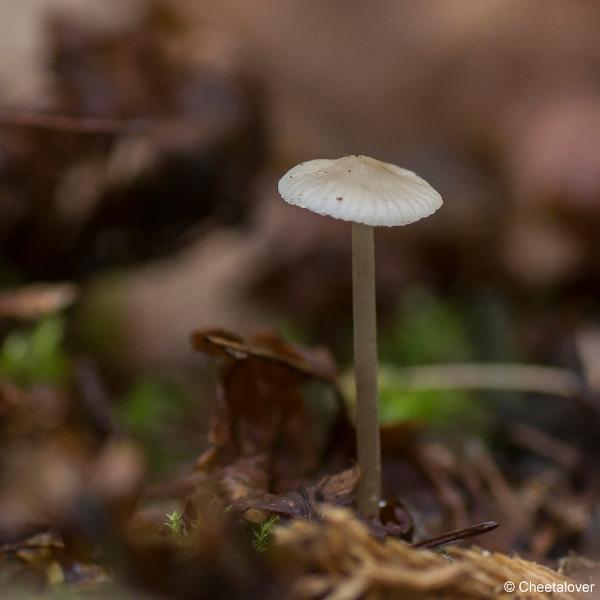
x,y
360,189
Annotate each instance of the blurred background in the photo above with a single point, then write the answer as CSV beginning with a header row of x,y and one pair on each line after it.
x,y
141,142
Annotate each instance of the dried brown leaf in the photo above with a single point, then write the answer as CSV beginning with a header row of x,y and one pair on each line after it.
x,y
261,410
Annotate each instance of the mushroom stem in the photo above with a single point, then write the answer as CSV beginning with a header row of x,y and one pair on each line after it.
x,y
365,368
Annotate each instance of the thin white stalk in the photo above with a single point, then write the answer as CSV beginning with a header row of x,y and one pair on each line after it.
x,y
365,368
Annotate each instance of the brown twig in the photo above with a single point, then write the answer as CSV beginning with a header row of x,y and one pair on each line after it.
x,y
485,465
439,466
544,445
457,535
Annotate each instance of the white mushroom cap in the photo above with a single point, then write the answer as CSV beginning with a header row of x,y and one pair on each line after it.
x,y
360,189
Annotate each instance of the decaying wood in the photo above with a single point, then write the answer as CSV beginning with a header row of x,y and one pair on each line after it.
x,y
338,560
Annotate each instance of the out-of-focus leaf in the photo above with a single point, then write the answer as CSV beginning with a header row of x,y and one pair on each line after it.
x,y
43,557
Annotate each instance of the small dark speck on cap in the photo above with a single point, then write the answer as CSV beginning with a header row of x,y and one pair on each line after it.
x,y
339,198
349,170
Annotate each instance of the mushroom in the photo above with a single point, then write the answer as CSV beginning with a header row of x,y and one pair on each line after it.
x,y
368,193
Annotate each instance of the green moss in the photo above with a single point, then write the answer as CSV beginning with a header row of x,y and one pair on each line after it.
x,y
150,404
262,533
154,410
35,355
436,407
175,523
426,330
100,322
